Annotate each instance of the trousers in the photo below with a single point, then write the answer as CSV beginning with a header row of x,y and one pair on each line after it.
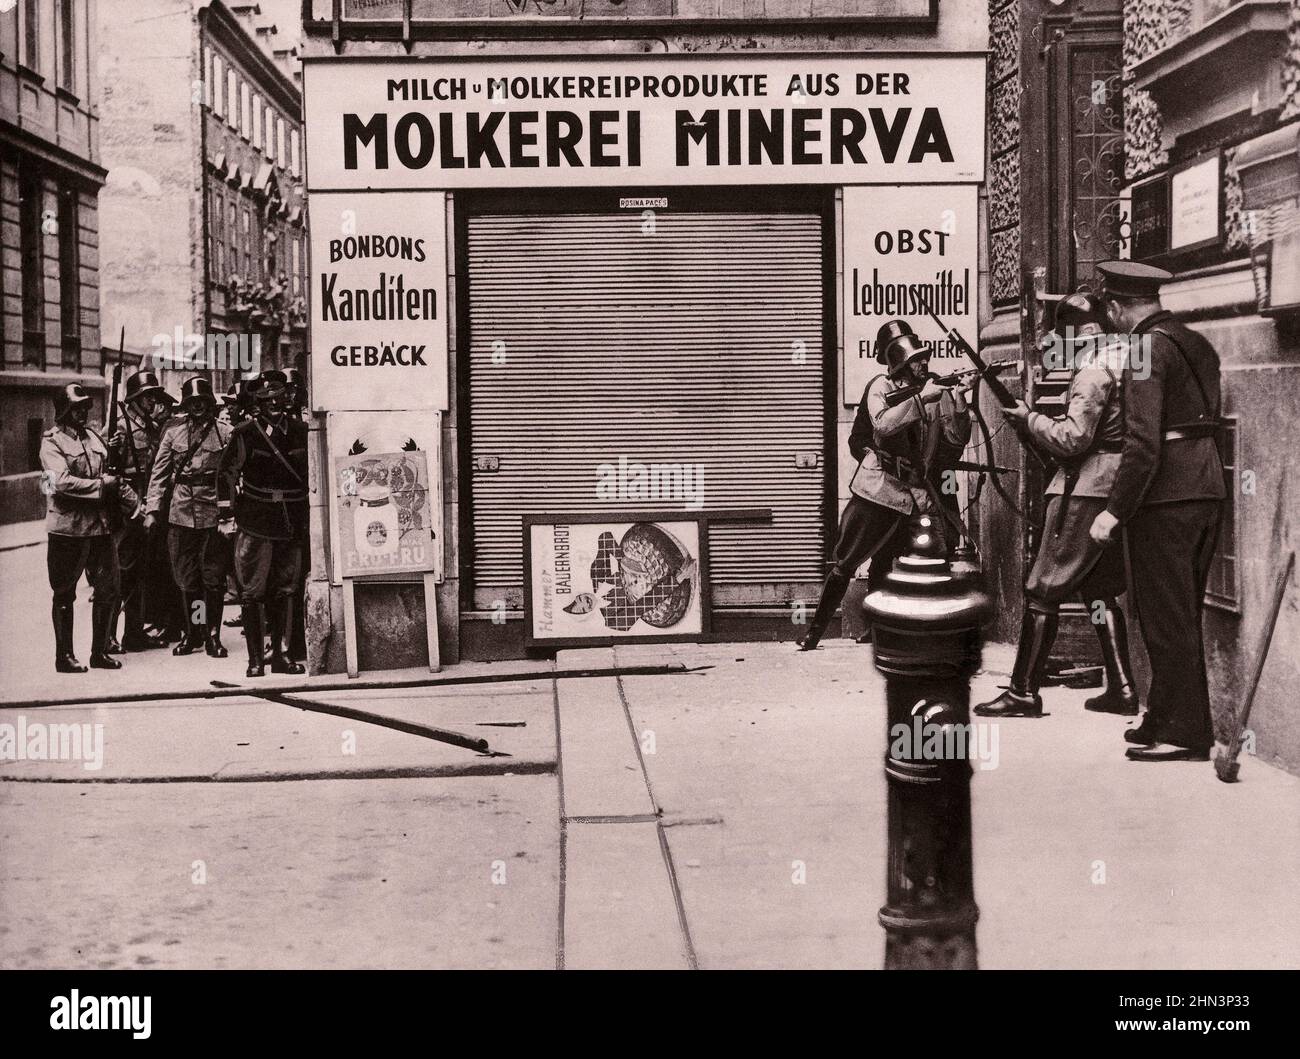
x,y
1171,547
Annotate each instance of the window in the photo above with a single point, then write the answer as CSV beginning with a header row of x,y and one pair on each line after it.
x,y
256,132
218,86
293,152
217,220
295,282
249,264
279,141
1224,586
232,234
31,242
232,99
67,49
245,111
31,34
69,278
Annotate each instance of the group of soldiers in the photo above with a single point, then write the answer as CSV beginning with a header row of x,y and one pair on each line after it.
x,y
184,506
1138,469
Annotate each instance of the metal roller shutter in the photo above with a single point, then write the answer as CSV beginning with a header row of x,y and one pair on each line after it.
x,y
698,343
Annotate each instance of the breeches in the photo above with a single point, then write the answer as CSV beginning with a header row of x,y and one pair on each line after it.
x,y
266,568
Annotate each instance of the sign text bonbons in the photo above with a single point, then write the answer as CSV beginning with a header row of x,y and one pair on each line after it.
x,y
701,120
379,287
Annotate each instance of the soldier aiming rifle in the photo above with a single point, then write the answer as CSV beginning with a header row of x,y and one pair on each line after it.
x,y
903,447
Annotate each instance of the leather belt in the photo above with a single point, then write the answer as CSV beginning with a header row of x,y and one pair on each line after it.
x,y
899,468
1191,431
274,495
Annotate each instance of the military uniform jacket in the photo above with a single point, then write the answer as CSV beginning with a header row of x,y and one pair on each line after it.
x,y
74,467
1158,471
140,437
266,492
194,485
928,434
1088,437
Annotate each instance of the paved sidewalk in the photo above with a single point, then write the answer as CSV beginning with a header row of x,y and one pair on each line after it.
x,y
732,817
15,535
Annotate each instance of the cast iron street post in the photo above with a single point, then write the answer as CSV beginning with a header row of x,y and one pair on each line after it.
x,y
926,637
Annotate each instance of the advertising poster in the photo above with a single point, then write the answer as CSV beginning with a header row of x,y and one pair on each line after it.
x,y
379,301
906,248
386,488
592,579
642,120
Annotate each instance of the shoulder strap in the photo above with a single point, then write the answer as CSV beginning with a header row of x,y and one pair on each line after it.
x,y
1205,400
279,455
180,467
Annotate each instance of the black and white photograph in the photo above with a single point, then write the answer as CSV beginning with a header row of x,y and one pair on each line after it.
x,y
642,485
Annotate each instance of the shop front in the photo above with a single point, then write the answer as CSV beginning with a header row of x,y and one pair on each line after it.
x,y
617,290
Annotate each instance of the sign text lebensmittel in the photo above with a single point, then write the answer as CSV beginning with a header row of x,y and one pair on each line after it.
x,y
451,124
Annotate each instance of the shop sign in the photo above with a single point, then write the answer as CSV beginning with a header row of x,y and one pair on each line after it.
x,y
603,578
1195,219
906,248
1149,219
379,301
637,120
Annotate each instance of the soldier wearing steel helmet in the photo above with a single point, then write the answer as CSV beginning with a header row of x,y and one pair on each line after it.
x,y
80,494
262,497
901,451
146,587
183,497
1087,440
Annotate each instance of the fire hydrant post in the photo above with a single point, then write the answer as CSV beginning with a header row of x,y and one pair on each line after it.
x,y
926,635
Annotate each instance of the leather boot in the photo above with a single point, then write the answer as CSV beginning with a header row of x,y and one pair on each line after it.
x,y
1121,694
192,639
65,658
134,638
216,604
832,593
102,613
279,614
1021,699
253,636
113,645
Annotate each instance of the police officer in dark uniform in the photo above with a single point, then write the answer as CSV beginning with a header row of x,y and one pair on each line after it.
x,y
262,501
145,409
1168,496
183,492
81,495
1086,441
902,450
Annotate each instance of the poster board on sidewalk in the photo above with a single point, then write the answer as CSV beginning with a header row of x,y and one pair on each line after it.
x,y
595,579
386,510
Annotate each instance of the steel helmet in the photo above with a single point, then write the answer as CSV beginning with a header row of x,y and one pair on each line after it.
x,y
197,386
73,395
143,382
888,331
902,351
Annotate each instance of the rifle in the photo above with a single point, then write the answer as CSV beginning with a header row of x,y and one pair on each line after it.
x,y
999,391
906,393
115,463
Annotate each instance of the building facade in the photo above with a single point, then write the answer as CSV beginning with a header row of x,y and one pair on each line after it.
x,y
204,205
1165,132
51,173
626,288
